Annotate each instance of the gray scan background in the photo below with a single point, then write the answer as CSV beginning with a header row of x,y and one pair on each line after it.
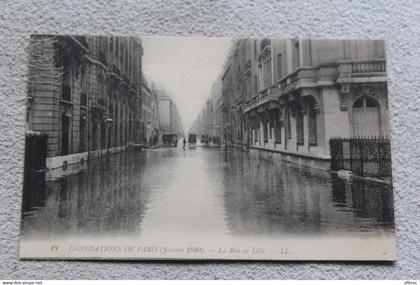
x,y
396,21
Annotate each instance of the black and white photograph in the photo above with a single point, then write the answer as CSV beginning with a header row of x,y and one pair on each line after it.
x,y
207,148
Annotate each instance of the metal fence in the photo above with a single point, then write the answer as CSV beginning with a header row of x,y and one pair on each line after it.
x,y
368,157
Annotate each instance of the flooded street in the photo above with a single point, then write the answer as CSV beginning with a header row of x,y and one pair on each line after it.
x,y
205,148
202,192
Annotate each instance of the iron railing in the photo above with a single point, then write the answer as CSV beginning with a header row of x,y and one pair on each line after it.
x,y
364,156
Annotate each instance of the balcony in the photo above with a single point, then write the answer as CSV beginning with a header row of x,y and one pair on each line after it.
x,y
264,97
361,70
305,77
326,74
99,104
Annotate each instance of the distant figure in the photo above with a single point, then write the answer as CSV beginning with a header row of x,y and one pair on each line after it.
x,y
184,141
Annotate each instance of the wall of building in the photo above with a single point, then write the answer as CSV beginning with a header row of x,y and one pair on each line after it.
x,y
165,114
306,91
94,101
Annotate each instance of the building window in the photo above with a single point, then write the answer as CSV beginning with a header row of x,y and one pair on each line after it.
x,y
240,132
121,52
65,132
116,126
264,43
265,132
296,55
121,133
28,110
277,131
255,129
102,58
271,129
279,66
255,84
248,86
103,133
83,78
66,93
366,117
94,134
288,124
126,67
82,126
66,89
255,50
299,126
83,100
100,86
266,75
312,130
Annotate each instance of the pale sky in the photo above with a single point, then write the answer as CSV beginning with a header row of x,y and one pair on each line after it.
x,y
185,68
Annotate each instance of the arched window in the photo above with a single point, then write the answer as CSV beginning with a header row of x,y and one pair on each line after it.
x,y
366,119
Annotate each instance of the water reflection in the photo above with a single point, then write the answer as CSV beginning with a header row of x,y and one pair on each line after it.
x,y
201,190
281,199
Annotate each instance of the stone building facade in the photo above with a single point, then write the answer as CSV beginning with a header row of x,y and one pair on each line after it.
x,y
150,113
286,98
169,118
85,94
210,119
155,125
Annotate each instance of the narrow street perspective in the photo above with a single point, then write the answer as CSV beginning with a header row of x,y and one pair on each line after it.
x,y
206,148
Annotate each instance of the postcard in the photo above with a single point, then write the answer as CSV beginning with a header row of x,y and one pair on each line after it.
x,y
207,148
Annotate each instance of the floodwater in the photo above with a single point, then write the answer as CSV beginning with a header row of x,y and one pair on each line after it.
x,y
203,189
201,192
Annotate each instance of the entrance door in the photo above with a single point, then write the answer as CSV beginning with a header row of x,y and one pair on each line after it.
x,y
366,119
